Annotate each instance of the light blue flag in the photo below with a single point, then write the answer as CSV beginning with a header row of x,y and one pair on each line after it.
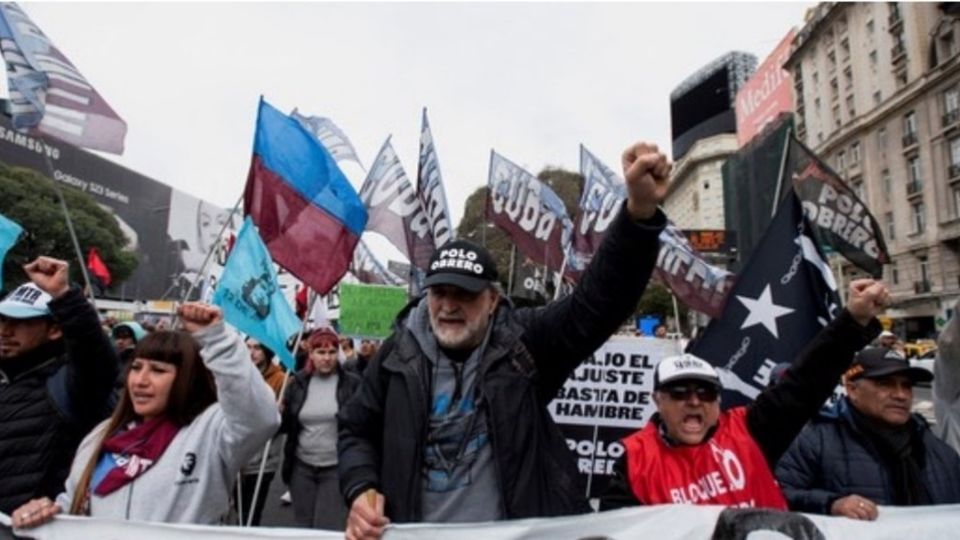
x,y
9,233
250,297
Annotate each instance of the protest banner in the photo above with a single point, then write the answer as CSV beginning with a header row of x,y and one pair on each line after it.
x,y
606,398
369,310
664,522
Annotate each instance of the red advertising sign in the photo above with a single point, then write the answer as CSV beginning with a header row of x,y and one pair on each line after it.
x,y
767,94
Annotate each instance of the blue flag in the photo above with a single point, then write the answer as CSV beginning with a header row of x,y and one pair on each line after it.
x,y
9,233
782,298
250,297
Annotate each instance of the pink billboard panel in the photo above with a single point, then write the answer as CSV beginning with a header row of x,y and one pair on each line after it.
x,y
767,94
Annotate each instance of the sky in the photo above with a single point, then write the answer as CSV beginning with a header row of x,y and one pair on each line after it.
x,y
531,80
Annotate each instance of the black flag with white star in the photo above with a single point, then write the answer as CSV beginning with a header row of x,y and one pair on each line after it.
x,y
781,299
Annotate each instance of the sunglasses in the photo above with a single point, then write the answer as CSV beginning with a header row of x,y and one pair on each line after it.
x,y
707,394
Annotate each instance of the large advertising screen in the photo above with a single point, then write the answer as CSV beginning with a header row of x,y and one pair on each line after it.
x,y
170,230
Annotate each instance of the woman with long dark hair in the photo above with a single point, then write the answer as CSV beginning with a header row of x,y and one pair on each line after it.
x,y
310,408
193,411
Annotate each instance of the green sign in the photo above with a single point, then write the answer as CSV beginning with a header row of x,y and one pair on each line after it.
x,y
369,310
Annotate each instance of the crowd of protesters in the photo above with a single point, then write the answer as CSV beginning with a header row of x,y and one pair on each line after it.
x,y
446,420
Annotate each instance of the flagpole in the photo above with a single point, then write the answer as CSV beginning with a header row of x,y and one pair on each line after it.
x,y
676,313
66,214
559,281
513,257
312,297
783,166
210,251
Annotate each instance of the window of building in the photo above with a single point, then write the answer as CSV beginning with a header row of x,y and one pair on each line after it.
x,y
873,59
913,170
910,123
870,27
948,45
819,137
851,108
918,217
859,189
836,116
882,138
924,267
816,105
877,97
955,151
831,61
891,230
815,77
847,78
956,201
894,273
887,181
951,101
841,161
855,152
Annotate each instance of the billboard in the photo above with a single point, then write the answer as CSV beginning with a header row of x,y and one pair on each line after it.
x,y
767,94
170,230
703,104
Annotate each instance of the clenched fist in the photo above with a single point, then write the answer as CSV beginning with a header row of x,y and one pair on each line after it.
x,y
197,316
646,170
51,275
868,298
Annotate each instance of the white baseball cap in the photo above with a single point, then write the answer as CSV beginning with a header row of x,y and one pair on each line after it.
x,y
26,302
684,368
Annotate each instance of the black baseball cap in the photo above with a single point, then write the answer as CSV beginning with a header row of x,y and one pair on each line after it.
x,y
876,362
462,264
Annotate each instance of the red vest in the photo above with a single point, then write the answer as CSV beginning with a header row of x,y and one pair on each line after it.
x,y
729,469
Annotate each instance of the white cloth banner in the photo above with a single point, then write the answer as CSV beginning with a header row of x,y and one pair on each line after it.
x,y
668,522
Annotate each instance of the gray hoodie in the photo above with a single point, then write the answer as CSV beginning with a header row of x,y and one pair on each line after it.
x,y
191,481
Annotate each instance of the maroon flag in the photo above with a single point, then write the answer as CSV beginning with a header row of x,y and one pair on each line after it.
x,y
48,93
529,211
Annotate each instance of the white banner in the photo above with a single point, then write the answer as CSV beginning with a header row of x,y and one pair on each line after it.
x,y
614,387
667,522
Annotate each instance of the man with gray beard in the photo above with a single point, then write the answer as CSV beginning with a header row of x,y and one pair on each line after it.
x,y
450,423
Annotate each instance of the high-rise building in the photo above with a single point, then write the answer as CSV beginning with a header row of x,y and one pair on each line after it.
x,y
877,96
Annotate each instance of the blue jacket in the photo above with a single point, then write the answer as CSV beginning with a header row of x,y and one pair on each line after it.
x,y
832,458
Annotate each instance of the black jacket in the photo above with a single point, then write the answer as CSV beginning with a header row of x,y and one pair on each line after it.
x,y
49,399
293,400
779,413
833,458
529,355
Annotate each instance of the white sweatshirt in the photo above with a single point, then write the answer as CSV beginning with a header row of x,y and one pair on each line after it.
x,y
191,481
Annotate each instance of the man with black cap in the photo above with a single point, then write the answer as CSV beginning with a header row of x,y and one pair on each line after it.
x,y
691,452
871,450
450,423
57,370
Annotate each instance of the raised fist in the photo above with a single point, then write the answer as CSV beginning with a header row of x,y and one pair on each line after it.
x,y
647,171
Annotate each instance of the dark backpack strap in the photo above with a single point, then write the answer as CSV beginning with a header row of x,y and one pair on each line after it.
x,y
57,388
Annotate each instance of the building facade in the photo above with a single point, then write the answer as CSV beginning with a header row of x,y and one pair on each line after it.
x,y
877,96
695,196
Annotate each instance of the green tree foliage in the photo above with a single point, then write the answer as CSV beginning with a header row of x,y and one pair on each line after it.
x,y
657,301
29,199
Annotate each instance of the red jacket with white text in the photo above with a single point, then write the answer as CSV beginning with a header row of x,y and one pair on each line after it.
x,y
729,469
733,466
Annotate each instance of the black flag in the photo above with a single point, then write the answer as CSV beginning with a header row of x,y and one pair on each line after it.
x,y
783,297
838,217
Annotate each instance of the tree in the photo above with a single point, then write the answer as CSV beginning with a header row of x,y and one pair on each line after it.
x,y
658,301
28,198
